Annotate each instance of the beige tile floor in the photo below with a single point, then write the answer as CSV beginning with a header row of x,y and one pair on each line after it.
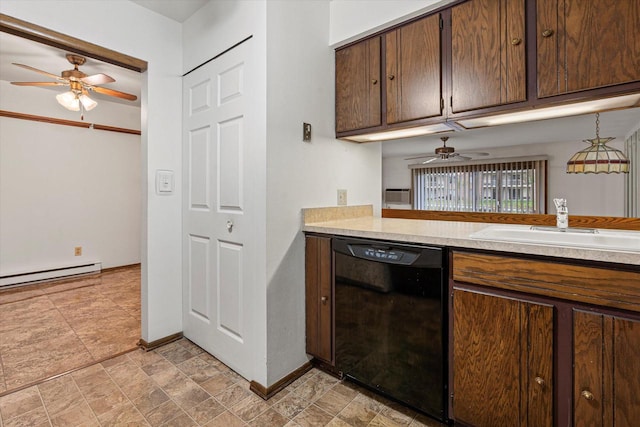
x,y
181,385
51,328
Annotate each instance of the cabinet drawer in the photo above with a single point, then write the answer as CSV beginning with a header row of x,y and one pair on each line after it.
x,y
592,285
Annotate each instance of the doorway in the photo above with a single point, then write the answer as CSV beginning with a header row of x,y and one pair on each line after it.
x,y
98,312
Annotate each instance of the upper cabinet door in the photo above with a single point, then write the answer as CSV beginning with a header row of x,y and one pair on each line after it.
x,y
413,71
586,44
358,86
488,54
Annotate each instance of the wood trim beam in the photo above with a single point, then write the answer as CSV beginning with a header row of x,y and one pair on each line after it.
x,y
11,25
64,122
607,222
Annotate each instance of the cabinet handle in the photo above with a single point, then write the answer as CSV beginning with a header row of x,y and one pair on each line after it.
x,y
374,81
587,394
324,300
391,77
539,381
516,41
547,33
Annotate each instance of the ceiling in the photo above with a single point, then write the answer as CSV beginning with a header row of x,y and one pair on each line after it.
x,y
178,10
617,124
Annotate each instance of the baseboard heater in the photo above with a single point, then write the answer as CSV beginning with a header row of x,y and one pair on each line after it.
x,y
52,273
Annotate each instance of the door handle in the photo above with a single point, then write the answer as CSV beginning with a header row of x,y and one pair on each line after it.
x,y
229,226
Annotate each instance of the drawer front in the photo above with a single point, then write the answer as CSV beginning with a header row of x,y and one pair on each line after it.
x,y
592,285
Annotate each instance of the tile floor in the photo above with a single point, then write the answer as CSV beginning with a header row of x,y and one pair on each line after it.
x,y
51,328
181,385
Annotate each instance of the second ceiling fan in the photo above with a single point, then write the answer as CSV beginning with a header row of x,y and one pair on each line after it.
x,y
447,153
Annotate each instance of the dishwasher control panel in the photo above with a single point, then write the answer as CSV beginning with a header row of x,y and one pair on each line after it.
x,y
388,255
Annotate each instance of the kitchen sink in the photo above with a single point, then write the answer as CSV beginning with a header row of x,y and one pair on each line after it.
x,y
620,240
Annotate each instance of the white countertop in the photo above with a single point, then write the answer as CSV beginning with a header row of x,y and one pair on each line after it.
x,y
455,234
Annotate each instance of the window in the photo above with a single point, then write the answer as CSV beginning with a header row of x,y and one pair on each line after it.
x,y
505,185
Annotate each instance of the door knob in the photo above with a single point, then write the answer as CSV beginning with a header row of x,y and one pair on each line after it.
x,y
324,300
547,33
539,381
516,41
229,226
374,81
391,77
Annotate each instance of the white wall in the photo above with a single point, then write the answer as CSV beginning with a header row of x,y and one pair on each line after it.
x,y
130,29
354,19
62,187
300,72
588,194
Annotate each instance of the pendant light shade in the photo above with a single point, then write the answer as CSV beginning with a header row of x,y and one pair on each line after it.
x,y
598,157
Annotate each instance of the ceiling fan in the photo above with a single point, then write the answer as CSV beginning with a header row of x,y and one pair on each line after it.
x,y
447,153
79,83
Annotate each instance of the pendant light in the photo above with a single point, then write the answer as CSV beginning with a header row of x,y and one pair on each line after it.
x,y
599,157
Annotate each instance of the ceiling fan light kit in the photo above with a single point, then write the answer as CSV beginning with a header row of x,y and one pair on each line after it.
x,y
80,84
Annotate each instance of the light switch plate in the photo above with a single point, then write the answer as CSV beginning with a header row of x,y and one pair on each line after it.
x,y
306,132
164,182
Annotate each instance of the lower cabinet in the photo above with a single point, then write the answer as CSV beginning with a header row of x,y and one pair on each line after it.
x,y
319,298
543,343
502,360
606,370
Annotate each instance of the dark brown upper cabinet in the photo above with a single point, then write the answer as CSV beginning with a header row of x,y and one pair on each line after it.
x,y
488,54
358,86
413,71
586,44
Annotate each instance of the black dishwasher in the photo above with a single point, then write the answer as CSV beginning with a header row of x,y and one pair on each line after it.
x,y
390,320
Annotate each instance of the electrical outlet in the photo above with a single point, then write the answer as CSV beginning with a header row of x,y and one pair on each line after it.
x,y
342,197
78,251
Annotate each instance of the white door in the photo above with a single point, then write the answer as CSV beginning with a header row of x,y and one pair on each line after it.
x,y
218,208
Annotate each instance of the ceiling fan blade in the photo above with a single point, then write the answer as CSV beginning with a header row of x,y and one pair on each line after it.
x,y
420,157
430,160
97,79
474,153
111,92
27,67
38,83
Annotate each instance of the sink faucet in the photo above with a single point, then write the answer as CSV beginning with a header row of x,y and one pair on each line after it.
x,y
562,214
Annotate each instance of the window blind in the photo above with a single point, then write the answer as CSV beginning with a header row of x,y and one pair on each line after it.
x,y
510,186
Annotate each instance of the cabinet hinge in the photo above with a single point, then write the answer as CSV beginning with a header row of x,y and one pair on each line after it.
x,y
451,101
441,104
441,23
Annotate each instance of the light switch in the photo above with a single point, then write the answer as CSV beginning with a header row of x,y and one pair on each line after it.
x,y
164,182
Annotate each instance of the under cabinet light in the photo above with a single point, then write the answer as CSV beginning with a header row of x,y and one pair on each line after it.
x,y
400,133
543,113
